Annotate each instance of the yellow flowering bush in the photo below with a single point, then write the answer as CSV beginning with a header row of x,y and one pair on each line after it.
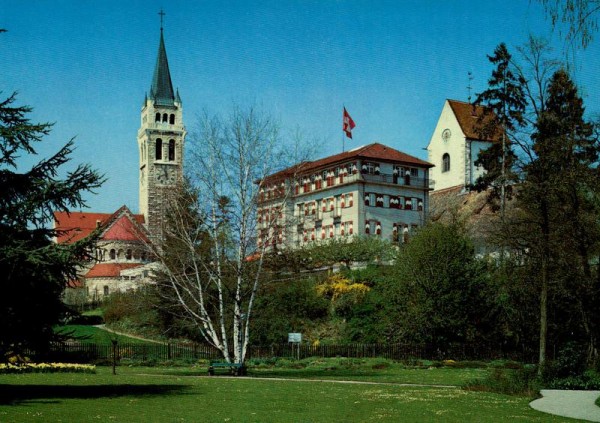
x,y
336,285
6,368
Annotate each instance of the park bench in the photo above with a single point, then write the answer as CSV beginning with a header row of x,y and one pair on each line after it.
x,y
236,369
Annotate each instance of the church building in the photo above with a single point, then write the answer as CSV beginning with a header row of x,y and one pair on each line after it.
x,y
455,145
122,259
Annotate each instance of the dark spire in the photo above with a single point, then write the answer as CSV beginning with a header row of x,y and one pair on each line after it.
x,y
162,87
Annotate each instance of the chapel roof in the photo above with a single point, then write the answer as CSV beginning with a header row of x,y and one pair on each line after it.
x,y
374,151
109,270
468,115
121,225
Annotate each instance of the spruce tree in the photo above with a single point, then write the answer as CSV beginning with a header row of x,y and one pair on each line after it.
x,y
505,104
34,269
559,197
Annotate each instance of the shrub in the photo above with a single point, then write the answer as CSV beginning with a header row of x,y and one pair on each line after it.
x,y
570,363
46,368
588,380
522,382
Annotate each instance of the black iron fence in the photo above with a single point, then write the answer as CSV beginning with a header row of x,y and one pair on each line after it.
x,y
84,352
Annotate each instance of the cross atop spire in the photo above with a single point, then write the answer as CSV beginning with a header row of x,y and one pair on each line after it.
x,y
162,14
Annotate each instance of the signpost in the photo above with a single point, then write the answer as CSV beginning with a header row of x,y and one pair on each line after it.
x,y
295,338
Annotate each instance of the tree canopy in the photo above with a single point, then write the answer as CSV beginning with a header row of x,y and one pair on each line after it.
x,y
35,269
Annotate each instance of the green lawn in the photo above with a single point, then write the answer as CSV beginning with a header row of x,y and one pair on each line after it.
x,y
168,395
95,335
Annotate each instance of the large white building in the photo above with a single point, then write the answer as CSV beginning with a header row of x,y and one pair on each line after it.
x,y
455,145
373,190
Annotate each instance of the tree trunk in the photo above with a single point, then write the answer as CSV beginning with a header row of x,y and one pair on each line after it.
x,y
543,316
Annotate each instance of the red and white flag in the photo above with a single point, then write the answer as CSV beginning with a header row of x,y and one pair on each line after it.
x,y
348,124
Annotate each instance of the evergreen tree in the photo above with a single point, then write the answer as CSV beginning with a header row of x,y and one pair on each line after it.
x,y
504,110
559,201
34,269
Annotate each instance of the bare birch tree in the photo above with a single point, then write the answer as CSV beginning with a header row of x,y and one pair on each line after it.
x,y
213,265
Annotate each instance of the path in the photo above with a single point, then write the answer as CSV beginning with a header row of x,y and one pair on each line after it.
x,y
574,404
103,327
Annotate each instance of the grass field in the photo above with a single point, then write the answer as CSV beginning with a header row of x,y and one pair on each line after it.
x,y
139,394
86,333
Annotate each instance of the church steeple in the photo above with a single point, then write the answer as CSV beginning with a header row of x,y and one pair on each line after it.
x,y
160,141
162,87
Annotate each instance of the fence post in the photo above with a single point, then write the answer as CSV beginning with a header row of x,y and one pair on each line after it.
x,y
114,356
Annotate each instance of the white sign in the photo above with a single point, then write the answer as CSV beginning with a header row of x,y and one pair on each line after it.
x,y
295,337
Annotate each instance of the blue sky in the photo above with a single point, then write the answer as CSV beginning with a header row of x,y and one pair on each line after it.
x,y
86,66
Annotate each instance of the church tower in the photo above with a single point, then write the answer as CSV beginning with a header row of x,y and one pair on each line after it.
x,y
160,142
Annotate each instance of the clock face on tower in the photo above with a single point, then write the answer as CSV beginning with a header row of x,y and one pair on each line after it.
x,y
165,174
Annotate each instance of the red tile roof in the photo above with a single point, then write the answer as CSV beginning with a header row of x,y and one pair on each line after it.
x,y
124,229
75,226
375,151
467,115
109,270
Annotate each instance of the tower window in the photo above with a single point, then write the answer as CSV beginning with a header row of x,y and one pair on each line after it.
x,y
446,162
172,119
157,118
171,150
158,149
165,117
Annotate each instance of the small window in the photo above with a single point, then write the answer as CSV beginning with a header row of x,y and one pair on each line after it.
x,y
172,119
113,254
171,150
446,162
165,117
158,154
128,255
106,290
157,118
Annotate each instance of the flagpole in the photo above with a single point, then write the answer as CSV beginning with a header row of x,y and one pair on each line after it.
x,y
343,134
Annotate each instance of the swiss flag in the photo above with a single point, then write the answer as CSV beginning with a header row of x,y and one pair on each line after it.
x,y
348,124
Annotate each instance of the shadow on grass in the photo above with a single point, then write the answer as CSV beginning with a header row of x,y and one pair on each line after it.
x,y
17,394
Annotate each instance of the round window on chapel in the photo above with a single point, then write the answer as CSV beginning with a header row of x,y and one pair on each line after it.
x,y
446,135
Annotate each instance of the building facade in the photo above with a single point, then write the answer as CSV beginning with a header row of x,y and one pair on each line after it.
x,y
373,190
455,144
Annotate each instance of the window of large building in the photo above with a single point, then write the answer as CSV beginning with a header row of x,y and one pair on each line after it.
x,y
158,152
446,162
172,119
371,168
